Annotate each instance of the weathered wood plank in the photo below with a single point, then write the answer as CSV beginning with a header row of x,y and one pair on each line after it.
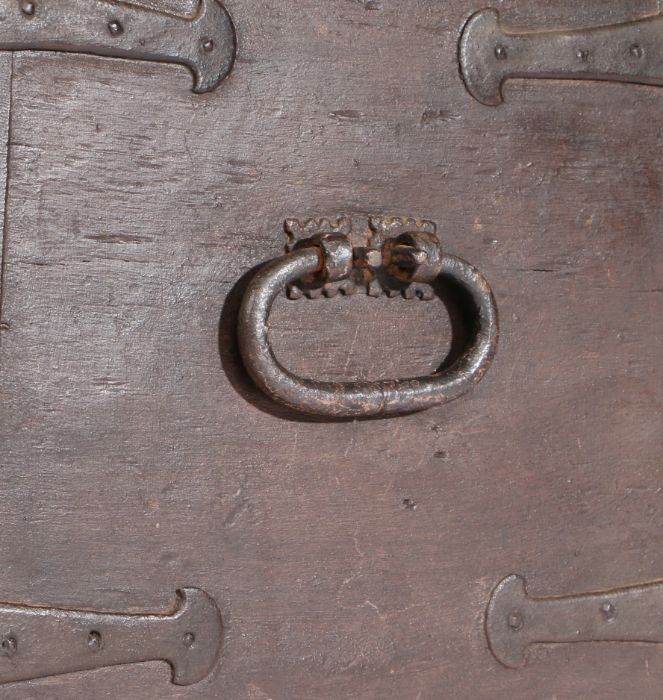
x,y
5,104
136,458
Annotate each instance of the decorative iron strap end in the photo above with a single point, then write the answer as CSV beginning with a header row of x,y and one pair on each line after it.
x,y
630,52
514,620
43,642
390,255
205,43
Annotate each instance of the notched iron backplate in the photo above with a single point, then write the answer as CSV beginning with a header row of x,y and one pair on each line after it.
x,y
629,52
368,235
205,43
514,620
42,642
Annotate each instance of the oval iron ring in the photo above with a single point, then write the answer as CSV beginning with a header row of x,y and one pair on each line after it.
x,y
360,399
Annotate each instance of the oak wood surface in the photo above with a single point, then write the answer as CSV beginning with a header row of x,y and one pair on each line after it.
x,y
350,560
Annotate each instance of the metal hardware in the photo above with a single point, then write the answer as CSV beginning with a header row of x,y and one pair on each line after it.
x,y
367,236
204,43
514,620
404,256
42,642
630,52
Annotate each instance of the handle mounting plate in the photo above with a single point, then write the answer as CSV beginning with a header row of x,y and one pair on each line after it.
x,y
368,236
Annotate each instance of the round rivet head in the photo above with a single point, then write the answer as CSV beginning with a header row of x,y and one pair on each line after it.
x,y
636,51
515,621
188,639
28,8
208,45
115,28
501,53
94,641
8,646
582,55
608,611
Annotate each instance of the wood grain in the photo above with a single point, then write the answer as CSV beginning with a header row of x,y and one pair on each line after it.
x,y
350,560
5,105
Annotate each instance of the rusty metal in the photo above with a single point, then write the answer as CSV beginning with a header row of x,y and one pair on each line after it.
x,y
205,43
370,274
43,642
514,620
320,263
630,52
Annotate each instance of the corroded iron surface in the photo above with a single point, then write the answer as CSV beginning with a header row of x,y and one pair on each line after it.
x,y
205,43
42,642
515,620
367,235
628,52
408,255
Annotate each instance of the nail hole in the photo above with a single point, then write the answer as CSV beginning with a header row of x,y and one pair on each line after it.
x,y
189,639
409,504
208,45
636,51
9,646
94,640
582,55
115,28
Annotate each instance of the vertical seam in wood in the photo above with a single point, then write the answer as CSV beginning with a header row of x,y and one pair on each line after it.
x,y
5,223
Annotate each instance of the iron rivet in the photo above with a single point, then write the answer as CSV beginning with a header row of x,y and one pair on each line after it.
x,y
636,51
28,8
208,45
515,621
501,53
608,611
189,639
115,28
8,646
582,55
94,640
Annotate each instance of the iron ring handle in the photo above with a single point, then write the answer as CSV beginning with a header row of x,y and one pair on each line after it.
x,y
359,399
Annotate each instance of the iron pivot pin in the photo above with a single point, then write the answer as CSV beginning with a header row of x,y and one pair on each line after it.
x,y
630,52
42,642
205,43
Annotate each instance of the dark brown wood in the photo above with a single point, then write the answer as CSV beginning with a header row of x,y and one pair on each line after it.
x,y
6,70
350,560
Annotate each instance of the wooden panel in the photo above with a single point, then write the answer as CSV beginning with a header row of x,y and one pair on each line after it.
x,y
5,101
136,457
